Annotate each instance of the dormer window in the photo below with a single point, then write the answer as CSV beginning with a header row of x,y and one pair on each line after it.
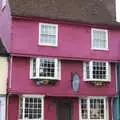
x,y
45,68
99,39
48,34
96,71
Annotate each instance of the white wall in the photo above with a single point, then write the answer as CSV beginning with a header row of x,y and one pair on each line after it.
x,y
3,74
2,108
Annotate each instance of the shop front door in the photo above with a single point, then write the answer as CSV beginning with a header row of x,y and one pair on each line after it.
x,y
64,111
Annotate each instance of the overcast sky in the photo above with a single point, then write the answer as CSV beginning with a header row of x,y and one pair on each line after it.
x,y
118,10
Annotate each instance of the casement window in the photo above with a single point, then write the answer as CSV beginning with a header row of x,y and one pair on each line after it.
x,y
31,107
48,34
93,108
99,39
96,71
45,68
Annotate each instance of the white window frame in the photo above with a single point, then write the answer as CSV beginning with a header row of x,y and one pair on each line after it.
x,y
32,96
48,44
108,72
57,72
92,39
106,108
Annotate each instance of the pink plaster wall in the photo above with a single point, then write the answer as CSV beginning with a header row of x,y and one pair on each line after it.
x,y
5,25
22,84
49,107
74,41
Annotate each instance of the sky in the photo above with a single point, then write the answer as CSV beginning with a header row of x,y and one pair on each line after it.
x,y
118,10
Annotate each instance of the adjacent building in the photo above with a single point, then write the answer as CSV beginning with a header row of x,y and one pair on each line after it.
x,y
3,81
5,33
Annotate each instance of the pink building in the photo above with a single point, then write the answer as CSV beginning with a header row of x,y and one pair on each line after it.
x,y
63,60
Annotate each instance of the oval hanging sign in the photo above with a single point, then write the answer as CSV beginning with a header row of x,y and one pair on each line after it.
x,y
75,82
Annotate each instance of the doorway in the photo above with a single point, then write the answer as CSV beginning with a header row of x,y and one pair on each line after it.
x,y
64,111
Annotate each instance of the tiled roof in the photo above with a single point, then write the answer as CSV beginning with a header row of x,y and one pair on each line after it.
x,y
86,11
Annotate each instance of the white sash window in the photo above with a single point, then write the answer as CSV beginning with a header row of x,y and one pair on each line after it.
x,y
31,107
93,108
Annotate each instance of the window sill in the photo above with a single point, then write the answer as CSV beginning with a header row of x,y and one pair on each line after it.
x,y
88,80
42,78
96,49
47,45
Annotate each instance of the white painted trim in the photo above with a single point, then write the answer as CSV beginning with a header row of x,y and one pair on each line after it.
x,y
46,44
109,71
23,106
33,95
88,107
59,71
105,107
84,71
42,108
107,102
80,115
106,32
37,67
31,69
91,69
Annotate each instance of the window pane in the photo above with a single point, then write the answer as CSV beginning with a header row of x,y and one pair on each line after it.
x,y
97,109
84,112
96,71
48,34
32,108
99,70
21,108
34,67
47,67
93,109
87,71
99,39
